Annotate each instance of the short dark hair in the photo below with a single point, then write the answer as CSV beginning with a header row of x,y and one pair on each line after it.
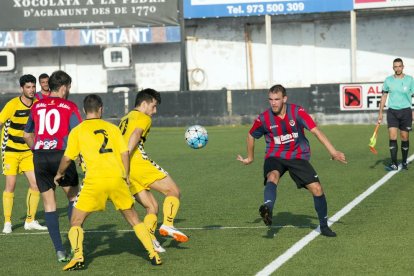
x,y
92,103
398,60
43,76
27,78
58,79
147,95
278,88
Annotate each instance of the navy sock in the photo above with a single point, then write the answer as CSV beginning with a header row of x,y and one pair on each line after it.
x,y
270,193
405,145
70,208
393,151
52,223
321,208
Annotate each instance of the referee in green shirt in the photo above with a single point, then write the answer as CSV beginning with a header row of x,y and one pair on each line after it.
x,y
398,89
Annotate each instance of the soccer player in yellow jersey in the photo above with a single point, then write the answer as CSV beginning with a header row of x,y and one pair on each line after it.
x,y
17,156
107,167
145,173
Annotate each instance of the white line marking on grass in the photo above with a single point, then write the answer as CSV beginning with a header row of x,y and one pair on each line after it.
x,y
279,261
184,228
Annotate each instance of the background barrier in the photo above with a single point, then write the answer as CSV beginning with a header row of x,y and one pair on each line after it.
x,y
225,107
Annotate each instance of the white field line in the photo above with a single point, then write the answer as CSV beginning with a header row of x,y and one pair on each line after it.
x,y
279,261
183,228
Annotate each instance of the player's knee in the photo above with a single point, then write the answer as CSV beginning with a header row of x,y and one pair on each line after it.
x,y
152,209
273,177
175,191
317,189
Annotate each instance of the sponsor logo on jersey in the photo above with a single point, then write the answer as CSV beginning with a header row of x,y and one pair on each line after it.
x,y
40,105
63,105
287,138
45,144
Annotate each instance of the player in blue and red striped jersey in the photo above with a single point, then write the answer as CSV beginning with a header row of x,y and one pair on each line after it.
x,y
44,87
46,132
287,149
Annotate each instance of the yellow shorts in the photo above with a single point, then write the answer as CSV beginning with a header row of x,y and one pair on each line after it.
x,y
17,162
144,172
95,192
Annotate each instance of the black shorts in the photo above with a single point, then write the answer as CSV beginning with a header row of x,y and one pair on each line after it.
x,y
301,171
401,119
46,164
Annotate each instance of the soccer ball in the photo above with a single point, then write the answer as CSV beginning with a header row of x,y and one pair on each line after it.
x,y
196,137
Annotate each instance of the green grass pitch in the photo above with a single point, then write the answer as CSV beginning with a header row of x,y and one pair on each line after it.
x,y
219,211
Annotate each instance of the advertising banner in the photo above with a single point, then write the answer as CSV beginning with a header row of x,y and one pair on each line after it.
x,y
89,37
230,8
371,4
362,96
81,14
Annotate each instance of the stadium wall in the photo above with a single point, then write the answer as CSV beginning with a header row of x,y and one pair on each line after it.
x,y
230,53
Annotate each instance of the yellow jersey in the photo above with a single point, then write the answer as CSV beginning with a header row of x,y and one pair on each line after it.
x,y
14,117
135,119
101,144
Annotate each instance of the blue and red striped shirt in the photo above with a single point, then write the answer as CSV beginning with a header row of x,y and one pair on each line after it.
x,y
51,120
285,138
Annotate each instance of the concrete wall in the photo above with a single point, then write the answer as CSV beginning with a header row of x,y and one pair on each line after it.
x,y
231,53
307,49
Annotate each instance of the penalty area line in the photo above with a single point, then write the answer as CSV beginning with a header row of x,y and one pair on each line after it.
x,y
279,261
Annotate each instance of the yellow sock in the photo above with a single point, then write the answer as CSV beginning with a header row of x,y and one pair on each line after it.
x,y
150,222
32,201
143,235
76,241
8,199
170,208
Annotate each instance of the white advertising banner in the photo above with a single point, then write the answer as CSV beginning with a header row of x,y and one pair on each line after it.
x,y
362,96
368,4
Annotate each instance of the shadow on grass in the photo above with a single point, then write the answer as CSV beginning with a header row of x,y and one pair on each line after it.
x,y
107,241
287,219
383,162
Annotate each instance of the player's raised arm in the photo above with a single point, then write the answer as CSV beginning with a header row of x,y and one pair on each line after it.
x,y
335,155
250,151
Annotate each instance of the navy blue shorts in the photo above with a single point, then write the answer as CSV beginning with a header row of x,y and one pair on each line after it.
x,y
301,171
46,164
401,119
